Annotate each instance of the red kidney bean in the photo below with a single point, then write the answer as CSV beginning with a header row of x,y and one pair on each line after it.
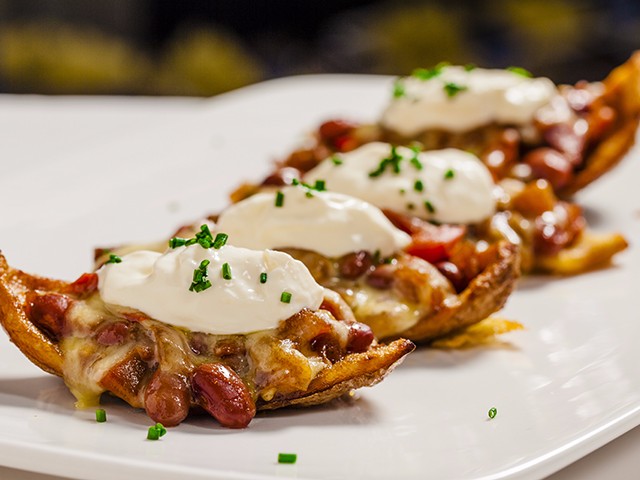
x,y
564,138
87,283
360,338
551,165
355,264
167,398
381,278
221,392
48,312
453,274
113,333
327,345
333,129
282,176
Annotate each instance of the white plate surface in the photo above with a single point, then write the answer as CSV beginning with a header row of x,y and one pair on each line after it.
x,y
563,387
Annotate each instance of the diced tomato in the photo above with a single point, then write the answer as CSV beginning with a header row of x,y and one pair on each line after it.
x,y
85,284
434,243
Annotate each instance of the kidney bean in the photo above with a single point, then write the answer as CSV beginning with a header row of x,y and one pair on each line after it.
x,y
113,333
382,277
85,284
453,274
332,129
221,392
551,165
167,398
558,228
327,345
360,337
282,176
355,264
48,312
567,140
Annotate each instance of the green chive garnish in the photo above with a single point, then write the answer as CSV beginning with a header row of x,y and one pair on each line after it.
x,y
398,89
101,415
176,242
520,71
402,191
452,89
449,174
429,73
429,206
263,277
287,458
113,259
200,280
285,297
469,66
336,160
320,185
161,430
280,198
220,241
392,161
493,411
418,186
226,271
152,433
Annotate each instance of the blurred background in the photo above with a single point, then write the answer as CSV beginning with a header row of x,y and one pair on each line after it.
x,y
205,47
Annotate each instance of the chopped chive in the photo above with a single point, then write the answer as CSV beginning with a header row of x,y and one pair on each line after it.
x,y
287,458
176,242
429,206
520,71
161,430
280,196
398,89
493,411
200,281
336,160
226,271
101,415
113,259
152,433
449,174
402,191
469,67
320,185
429,73
220,241
392,161
285,297
418,186
263,277
376,257
452,89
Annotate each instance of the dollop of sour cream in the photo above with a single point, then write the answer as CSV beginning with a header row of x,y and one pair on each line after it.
x,y
329,223
157,284
457,100
448,186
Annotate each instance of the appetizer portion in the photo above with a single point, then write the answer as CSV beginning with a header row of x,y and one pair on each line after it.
x,y
204,324
395,282
537,141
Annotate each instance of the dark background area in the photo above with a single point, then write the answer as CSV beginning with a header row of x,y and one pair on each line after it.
x,y
199,47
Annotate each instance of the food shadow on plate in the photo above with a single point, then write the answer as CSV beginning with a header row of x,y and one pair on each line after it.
x,y
425,357
41,392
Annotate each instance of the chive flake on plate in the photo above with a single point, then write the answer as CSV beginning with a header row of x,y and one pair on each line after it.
x,y
493,411
287,458
101,415
336,160
285,297
113,259
156,431
280,198
398,89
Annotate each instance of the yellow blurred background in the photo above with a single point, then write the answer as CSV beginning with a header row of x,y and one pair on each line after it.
x,y
201,48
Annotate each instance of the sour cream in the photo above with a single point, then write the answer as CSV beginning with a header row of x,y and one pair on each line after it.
x,y
448,186
158,285
332,224
480,97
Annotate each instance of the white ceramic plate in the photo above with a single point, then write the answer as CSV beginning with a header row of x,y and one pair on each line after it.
x,y
563,387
